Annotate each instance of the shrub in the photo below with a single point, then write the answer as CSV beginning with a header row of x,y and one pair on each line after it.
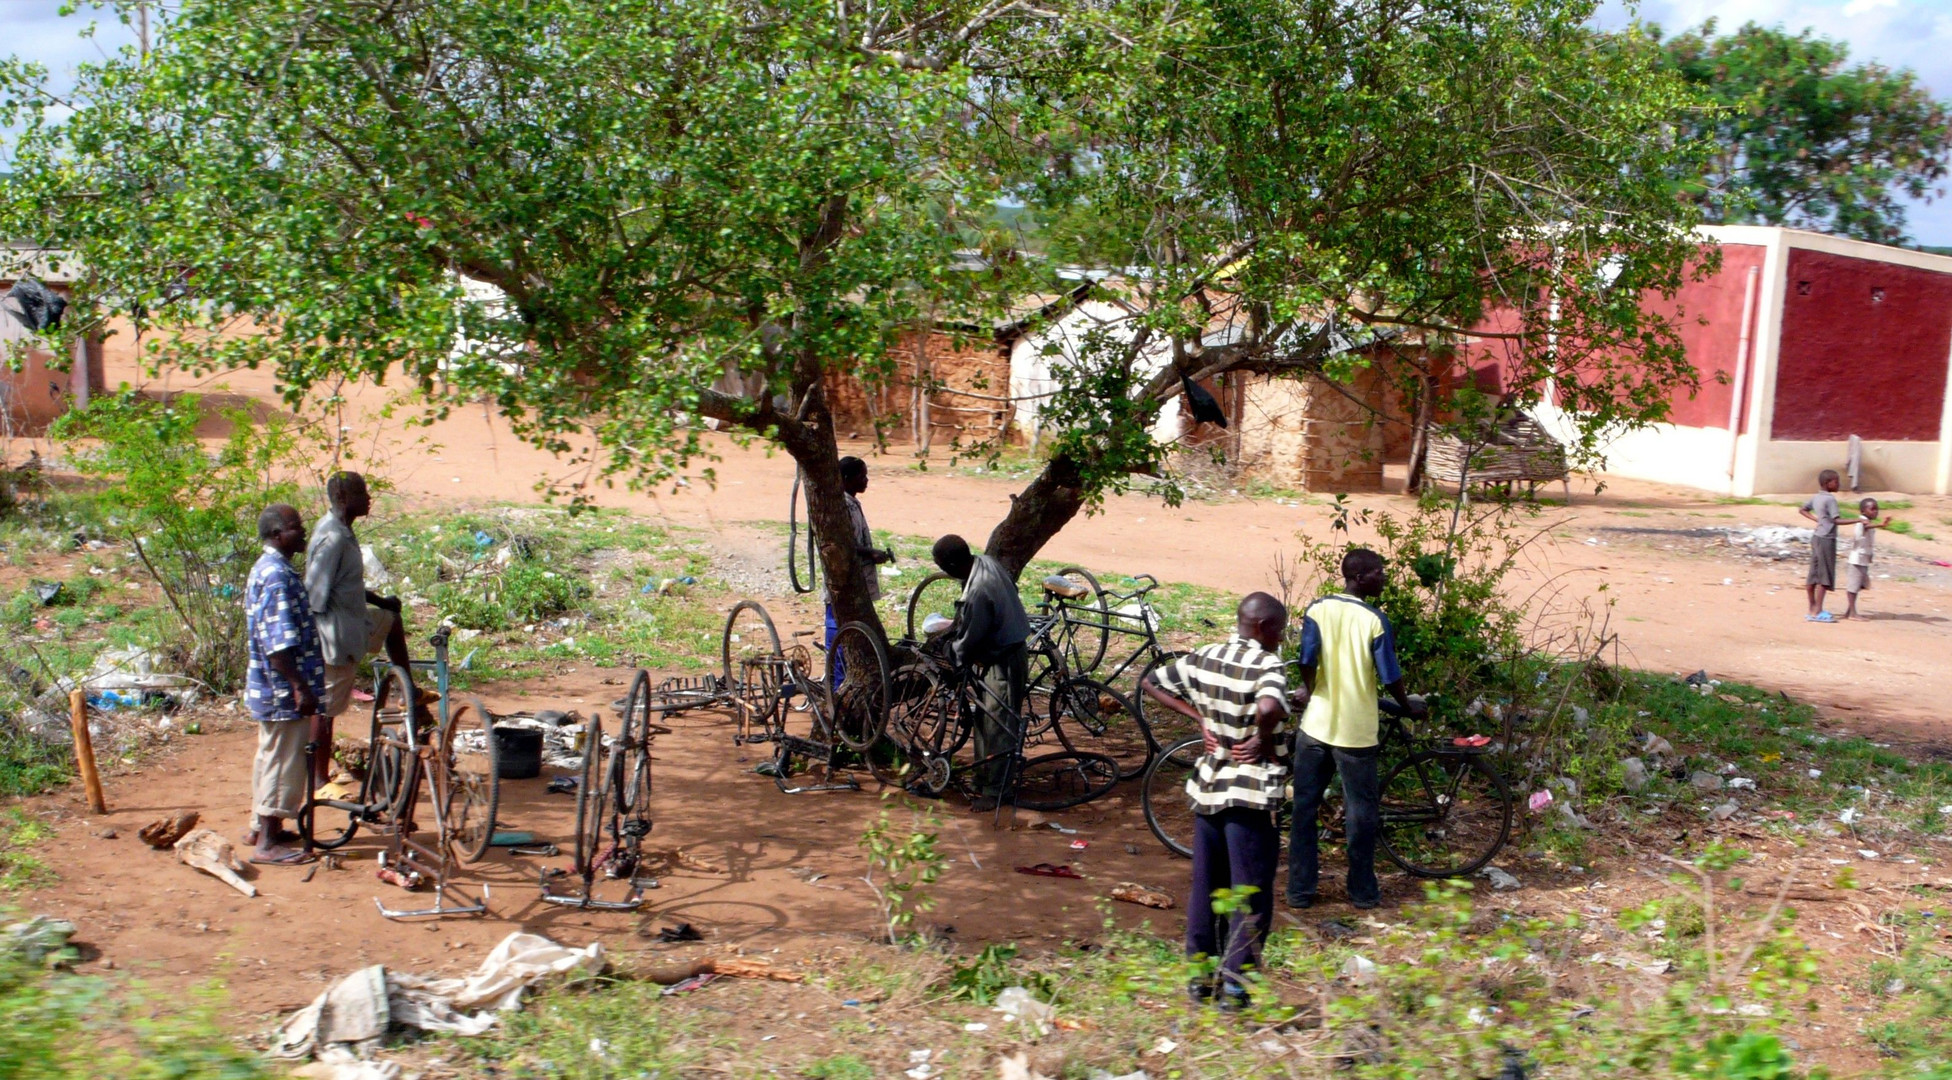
x,y
191,514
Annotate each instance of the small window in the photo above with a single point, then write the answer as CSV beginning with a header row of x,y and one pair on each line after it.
x,y
1877,295
1802,288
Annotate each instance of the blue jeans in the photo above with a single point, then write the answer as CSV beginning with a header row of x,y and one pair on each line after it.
x,y
835,669
1316,763
1232,848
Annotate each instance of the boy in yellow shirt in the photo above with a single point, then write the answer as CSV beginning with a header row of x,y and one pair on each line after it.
x,y
1348,654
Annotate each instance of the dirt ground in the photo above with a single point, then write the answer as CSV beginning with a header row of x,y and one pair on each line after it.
x,y
783,872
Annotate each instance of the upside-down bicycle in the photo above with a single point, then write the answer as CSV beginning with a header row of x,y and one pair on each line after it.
x,y
441,767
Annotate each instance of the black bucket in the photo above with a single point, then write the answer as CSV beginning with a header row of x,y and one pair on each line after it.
x,y
520,749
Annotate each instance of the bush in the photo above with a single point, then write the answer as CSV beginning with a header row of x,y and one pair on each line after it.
x,y
191,515
69,1027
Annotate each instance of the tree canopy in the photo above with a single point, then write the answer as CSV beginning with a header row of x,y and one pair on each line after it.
x,y
686,208
1802,137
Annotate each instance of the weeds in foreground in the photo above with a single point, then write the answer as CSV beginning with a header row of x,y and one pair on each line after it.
x,y
901,868
20,866
71,1027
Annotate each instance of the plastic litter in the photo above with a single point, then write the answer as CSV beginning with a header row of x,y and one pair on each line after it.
x,y
1500,880
1358,968
1017,1003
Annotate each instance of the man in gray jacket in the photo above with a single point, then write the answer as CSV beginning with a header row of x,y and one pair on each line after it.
x,y
353,622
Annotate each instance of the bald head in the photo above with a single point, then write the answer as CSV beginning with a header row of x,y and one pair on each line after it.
x,y
1261,618
281,527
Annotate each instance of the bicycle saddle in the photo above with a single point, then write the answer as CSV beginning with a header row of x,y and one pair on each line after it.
x,y
934,624
1065,587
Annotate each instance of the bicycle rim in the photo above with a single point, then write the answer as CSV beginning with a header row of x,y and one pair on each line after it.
x,y
795,557
1167,726
633,789
1092,718
1444,815
861,701
474,763
1168,809
1062,780
933,595
748,649
590,803
393,742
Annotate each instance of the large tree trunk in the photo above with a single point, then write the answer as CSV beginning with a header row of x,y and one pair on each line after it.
x,y
1036,514
812,446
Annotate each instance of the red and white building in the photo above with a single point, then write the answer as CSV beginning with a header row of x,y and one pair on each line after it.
x,y
1802,341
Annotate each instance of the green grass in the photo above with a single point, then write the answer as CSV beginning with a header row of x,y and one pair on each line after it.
x,y
1906,528
20,866
1749,500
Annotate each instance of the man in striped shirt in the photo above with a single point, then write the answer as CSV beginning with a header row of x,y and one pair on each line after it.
x,y
1237,691
1348,656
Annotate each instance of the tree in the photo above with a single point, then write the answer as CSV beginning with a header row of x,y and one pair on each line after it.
x,y
1801,137
1300,176
686,208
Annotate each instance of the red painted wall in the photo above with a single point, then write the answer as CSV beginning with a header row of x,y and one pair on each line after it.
x,y
1708,316
1864,350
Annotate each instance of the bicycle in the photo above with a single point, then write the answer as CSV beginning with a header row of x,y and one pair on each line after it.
x,y
1062,700
454,766
936,707
614,799
1446,811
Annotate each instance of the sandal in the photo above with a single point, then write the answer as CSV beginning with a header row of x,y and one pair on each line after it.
x,y
1044,869
1821,616
289,858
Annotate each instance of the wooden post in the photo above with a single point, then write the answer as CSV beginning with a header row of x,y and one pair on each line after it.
x,y
85,751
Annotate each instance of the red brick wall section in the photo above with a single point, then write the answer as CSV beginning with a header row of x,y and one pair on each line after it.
x,y
1864,350
1708,316
970,362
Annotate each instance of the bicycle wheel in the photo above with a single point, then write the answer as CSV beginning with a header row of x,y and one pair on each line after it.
x,y
631,764
1062,780
798,557
1444,815
1093,718
591,806
1047,672
1084,642
1167,726
749,636
388,767
1168,809
935,595
474,786
861,700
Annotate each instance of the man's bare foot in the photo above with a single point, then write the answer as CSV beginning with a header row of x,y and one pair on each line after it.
x,y
282,836
280,855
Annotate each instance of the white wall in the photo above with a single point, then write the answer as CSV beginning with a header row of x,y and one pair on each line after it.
x,y
1035,356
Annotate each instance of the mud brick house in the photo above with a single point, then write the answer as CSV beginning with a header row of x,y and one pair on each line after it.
x,y
33,390
1802,342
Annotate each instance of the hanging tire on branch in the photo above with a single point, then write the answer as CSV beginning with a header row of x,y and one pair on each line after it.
x,y
799,523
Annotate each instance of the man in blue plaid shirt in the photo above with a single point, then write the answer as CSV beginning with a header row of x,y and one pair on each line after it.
x,y
283,682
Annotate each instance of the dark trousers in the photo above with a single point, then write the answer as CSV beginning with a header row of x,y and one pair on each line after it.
x,y
1232,848
1316,763
999,705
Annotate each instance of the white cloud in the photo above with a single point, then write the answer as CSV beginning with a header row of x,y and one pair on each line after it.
x,y
1864,7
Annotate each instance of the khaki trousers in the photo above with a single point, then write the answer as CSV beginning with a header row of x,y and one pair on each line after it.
x,y
281,777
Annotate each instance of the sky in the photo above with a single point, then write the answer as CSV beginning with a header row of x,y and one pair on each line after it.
x,y
1897,33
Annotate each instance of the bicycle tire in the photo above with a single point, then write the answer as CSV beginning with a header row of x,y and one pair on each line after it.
x,y
794,503
1444,815
762,696
916,594
861,700
474,788
1085,645
1092,718
388,767
1047,673
1168,809
1060,781
1167,726
631,767
590,809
